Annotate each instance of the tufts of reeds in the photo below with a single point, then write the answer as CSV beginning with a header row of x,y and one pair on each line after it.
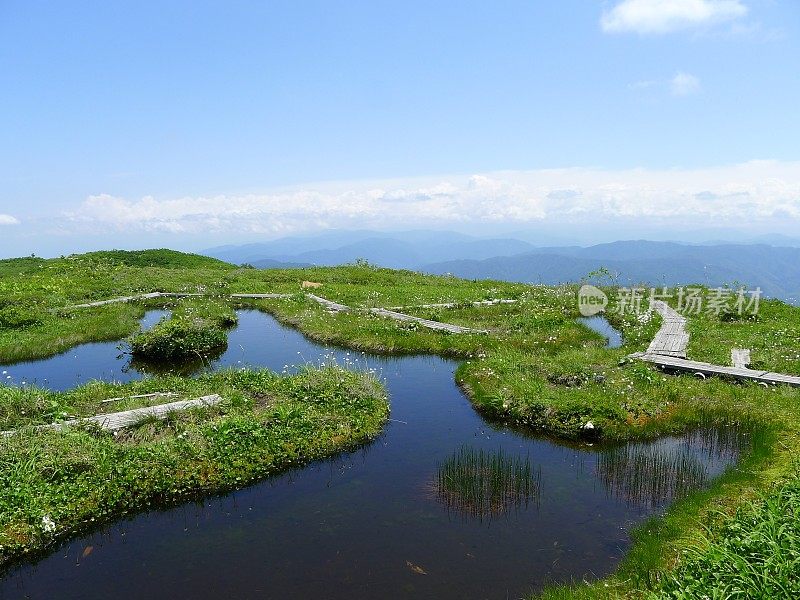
x,y
652,475
482,485
648,475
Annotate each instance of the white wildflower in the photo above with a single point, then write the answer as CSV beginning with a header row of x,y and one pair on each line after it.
x,y
48,525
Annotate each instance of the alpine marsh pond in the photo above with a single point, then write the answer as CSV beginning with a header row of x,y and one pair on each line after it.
x,y
301,482
443,504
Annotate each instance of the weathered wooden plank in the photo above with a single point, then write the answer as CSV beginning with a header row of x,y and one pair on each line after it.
x,y
137,297
126,418
693,366
181,294
781,378
740,357
455,304
137,396
329,304
119,420
671,338
168,295
424,322
115,300
261,295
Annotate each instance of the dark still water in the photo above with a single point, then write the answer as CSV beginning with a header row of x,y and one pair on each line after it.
x,y
418,513
601,325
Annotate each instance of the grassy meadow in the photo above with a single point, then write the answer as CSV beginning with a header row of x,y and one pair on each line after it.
x,y
537,368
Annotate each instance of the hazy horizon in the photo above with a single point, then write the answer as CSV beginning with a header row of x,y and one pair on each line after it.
x,y
190,125
537,238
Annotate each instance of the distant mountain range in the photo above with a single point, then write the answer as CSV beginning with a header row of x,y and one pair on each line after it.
x,y
402,250
775,269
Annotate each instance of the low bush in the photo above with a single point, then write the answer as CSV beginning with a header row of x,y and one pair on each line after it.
x,y
15,317
179,338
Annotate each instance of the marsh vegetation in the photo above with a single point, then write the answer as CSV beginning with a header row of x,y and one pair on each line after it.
x,y
537,369
482,485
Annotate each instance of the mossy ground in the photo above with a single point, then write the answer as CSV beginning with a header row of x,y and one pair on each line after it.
x,y
536,367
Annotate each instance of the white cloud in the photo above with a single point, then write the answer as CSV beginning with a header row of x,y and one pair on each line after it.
x,y
681,84
645,84
754,190
8,220
664,16
684,84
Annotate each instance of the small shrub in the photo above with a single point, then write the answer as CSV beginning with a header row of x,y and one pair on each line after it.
x,y
729,315
14,317
179,338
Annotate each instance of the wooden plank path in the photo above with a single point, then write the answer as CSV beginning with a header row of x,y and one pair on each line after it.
x,y
134,298
126,418
455,304
261,296
115,300
383,312
181,294
331,306
672,338
668,351
692,366
425,322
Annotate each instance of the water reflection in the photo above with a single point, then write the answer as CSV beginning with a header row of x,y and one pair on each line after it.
x,y
481,484
653,474
601,325
184,368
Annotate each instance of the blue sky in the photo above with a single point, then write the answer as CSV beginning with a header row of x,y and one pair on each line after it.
x,y
181,123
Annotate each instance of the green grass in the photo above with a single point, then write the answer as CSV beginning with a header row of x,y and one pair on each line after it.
x,y
537,368
55,484
753,554
179,338
163,258
193,333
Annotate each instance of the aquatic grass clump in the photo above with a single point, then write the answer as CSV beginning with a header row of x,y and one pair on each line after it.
x,y
179,338
651,475
480,484
648,475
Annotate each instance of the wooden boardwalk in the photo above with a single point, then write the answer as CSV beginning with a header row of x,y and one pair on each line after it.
x,y
136,297
331,306
455,304
115,300
272,296
668,351
126,418
391,314
672,338
425,322
674,363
